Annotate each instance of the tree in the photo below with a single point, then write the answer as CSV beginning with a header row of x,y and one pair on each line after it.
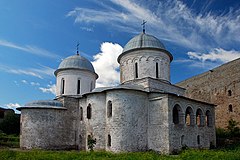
x,y
233,128
11,124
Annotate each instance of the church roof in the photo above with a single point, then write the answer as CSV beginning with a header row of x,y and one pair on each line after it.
x,y
75,62
54,104
143,40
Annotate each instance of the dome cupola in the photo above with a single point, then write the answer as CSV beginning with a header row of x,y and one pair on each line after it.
x,y
144,56
75,76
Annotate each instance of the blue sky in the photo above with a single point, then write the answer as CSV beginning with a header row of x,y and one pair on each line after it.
x,y
36,35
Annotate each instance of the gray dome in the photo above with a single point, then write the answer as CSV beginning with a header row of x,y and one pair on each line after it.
x,y
143,41
75,62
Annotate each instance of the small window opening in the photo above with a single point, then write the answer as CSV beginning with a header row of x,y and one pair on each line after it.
x,y
198,139
175,113
78,87
182,140
208,118
229,93
157,70
230,108
89,112
81,113
189,116
136,70
62,86
109,109
109,141
199,118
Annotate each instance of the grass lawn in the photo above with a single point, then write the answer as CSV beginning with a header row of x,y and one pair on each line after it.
x,y
230,153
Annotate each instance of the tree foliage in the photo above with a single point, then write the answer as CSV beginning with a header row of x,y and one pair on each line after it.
x,y
10,124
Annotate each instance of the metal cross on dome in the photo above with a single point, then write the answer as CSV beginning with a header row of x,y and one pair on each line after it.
x,y
143,24
77,48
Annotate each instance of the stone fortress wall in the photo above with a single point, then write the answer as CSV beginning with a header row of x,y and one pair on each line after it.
x,y
219,86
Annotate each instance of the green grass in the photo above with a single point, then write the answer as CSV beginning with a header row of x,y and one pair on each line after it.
x,y
6,154
230,153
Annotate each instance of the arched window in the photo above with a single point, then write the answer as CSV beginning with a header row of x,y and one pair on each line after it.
x,y
62,85
81,113
89,111
199,117
198,139
109,109
136,70
189,117
78,86
182,140
157,70
230,108
229,93
208,118
176,114
109,141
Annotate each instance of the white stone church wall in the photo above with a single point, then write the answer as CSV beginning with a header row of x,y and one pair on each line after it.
x,y
128,124
146,60
71,77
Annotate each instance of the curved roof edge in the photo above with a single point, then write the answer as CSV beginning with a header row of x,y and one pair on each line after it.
x,y
145,48
62,69
40,104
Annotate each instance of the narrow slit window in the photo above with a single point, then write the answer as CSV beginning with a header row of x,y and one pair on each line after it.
x,y
230,108
157,70
81,113
229,93
62,86
136,70
109,109
78,86
89,112
109,141
198,139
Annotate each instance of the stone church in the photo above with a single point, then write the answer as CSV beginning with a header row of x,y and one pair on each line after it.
x,y
145,112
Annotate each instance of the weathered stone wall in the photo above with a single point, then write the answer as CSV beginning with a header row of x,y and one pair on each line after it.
x,y
128,124
214,87
156,85
146,60
158,127
43,128
182,134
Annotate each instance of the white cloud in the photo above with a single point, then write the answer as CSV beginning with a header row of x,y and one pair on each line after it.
x,y
12,105
29,49
35,72
170,20
51,88
106,65
24,81
34,84
217,54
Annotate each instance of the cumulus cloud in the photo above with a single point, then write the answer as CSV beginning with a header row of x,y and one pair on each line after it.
x,y
217,54
12,105
51,88
29,49
106,65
